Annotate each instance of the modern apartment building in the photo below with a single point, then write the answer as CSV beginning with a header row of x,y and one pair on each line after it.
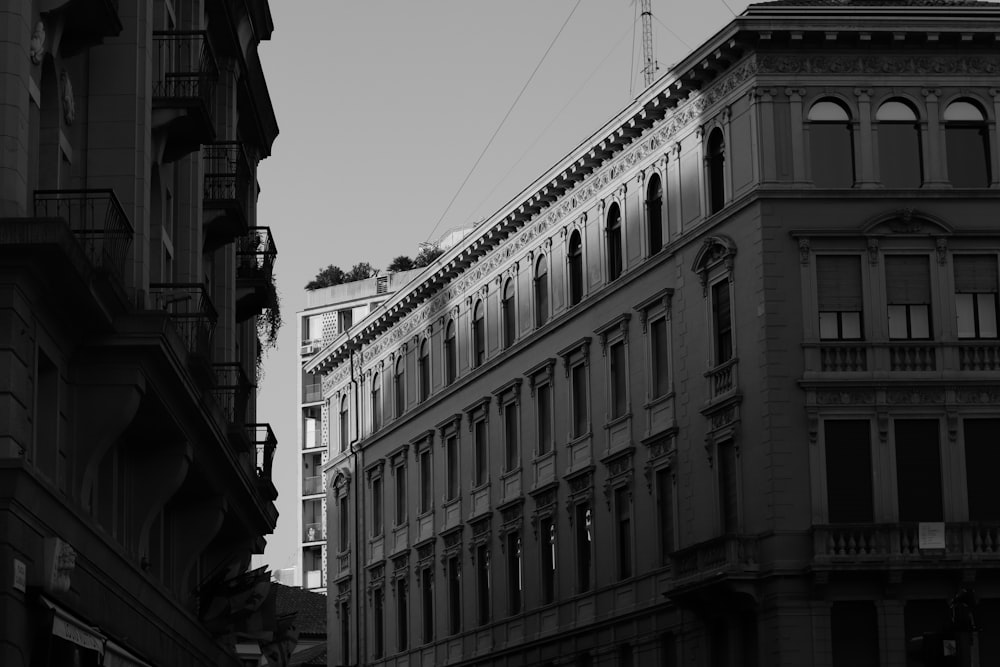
x,y
720,388
329,313
135,282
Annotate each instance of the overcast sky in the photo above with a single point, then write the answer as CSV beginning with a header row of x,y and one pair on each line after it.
x,y
384,106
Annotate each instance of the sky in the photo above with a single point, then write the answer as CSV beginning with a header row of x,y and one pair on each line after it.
x,y
385,108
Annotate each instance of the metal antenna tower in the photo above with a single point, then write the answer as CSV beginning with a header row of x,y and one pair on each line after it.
x,y
649,69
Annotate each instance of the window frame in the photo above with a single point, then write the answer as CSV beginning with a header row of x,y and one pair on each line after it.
x,y
423,371
377,405
576,363
541,290
813,126
977,320
822,256
450,356
883,126
478,349
908,308
575,265
508,313
399,384
614,241
655,236
542,376
508,399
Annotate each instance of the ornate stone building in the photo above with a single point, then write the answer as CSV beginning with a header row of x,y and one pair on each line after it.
x,y
719,388
134,283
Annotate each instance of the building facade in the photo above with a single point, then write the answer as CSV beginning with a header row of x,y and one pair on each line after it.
x,y
329,313
720,388
135,290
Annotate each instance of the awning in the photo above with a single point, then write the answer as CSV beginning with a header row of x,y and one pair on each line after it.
x,y
67,626
119,656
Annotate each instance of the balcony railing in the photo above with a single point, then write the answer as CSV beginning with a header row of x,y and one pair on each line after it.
x,y
843,357
312,485
232,391
912,357
723,379
255,254
227,175
263,440
734,554
979,356
97,220
191,310
312,393
184,67
313,532
852,545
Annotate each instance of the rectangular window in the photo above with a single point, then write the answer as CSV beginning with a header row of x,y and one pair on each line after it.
x,y
584,546
982,460
854,634
426,481
511,451
658,346
976,295
378,622
400,495
578,387
454,596
344,427
619,380
481,453
344,519
547,548
849,489
483,582
427,603
838,287
515,583
451,454
665,513
345,632
722,322
918,470
908,295
543,413
377,405
402,616
623,520
376,507
728,490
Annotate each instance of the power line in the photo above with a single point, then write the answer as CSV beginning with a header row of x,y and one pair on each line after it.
x,y
679,38
552,122
504,120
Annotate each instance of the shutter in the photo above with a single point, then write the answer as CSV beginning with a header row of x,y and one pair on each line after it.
x,y
838,281
975,274
907,279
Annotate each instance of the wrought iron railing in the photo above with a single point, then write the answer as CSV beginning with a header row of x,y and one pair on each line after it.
x,y
264,443
232,391
184,66
191,310
255,254
97,220
227,173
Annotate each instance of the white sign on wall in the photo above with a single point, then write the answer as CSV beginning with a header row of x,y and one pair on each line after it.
x,y
20,575
931,535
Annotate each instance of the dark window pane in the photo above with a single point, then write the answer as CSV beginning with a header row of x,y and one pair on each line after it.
x,y
899,155
918,470
728,489
982,461
575,269
619,379
968,155
831,148
658,342
854,634
716,171
543,401
722,322
578,379
654,214
850,495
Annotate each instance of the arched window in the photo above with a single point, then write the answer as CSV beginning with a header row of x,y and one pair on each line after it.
x,y
831,145
345,426
654,214
507,314
574,257
716,171
967,144
478,335
376,402
898,145
399,386
450,353
541,291
424,371
613,230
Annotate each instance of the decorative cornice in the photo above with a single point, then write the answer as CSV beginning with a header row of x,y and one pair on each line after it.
x,y
877,64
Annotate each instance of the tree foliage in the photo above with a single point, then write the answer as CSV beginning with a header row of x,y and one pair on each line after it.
x,y
331,275
401,263
360,271
427,255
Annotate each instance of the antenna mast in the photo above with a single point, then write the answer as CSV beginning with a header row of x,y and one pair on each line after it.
x,y
649,69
